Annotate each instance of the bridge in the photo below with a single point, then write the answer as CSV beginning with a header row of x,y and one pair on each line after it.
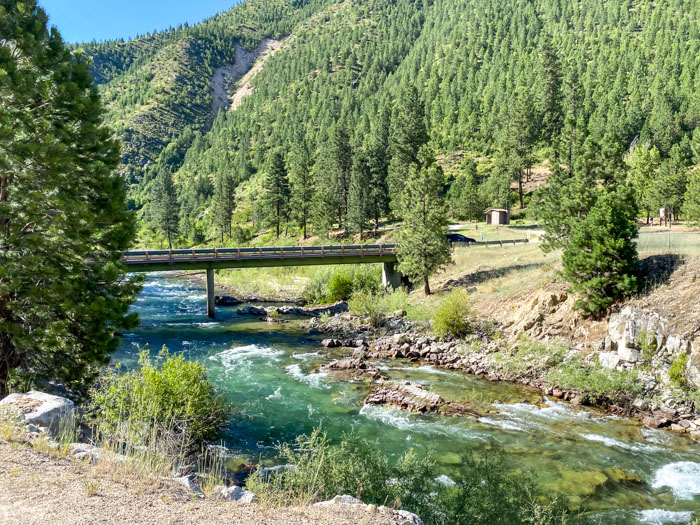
x,y
233,258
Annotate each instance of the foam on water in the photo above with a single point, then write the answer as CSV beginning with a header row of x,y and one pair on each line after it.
x,y
308,355
552,411
395,417
661,517
612,442
277,394
683,478
237,357
316,380
505,424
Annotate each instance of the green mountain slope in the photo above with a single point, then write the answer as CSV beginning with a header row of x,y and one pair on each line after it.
x,y
156,86
588,76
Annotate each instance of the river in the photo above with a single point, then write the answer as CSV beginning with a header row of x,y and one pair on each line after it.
x,y
268,372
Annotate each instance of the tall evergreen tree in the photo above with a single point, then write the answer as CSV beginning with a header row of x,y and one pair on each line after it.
x,y
423,245
408,135
63,220
359,199
165,209
550,82
277,193
377,148
643,164
518,140
302,182
562,204
340,164
600,259
691,206
224,203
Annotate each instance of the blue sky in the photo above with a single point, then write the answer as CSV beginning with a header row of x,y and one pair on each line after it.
x,y
85,20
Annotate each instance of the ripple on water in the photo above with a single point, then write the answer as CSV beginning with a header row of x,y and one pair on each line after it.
x,y
683,478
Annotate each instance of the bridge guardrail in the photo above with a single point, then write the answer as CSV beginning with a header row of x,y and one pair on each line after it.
x,y
262,252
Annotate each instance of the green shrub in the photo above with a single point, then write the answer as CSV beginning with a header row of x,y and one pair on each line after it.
x,y
340,287
483,491
339,284
593,379
376,306
172,399
527,355
454,316
677,371
647,344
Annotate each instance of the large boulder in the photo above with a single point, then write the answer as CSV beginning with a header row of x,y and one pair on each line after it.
x,y
38,408
238,495
693,370
340,500
407,395
226,300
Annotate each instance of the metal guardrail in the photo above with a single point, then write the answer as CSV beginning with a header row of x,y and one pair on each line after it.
x,y
240,254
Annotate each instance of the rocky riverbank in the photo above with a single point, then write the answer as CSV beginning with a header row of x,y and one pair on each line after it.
x,y
487,354
43,476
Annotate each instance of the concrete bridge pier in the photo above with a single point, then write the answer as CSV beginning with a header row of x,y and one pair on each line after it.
x,y
211,295
391,277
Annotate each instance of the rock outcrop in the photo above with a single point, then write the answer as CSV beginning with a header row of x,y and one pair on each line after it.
x,y
407,396
39,409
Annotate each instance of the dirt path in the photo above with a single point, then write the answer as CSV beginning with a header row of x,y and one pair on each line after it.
x,y
38,489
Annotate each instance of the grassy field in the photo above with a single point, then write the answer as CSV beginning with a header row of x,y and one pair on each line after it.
x,y
668,242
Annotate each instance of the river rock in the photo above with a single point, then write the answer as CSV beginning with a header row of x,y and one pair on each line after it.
x,y
238,495
331,343
38,408
189,483
252,310
340,500
407,396
226,300
409,517
85,452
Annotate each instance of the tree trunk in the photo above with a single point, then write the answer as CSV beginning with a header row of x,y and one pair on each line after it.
x,y
170,243
426,285
520,191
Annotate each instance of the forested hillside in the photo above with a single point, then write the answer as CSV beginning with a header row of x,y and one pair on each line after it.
x,y
338,115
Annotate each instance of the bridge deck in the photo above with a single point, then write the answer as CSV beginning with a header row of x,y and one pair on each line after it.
x,y
222,258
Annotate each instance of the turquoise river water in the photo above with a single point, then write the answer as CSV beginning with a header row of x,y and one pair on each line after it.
x,y
270,374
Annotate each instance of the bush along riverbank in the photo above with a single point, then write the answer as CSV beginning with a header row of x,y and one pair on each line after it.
x,y
637,383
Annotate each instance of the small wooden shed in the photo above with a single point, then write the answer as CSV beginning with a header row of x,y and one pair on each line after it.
x,y
498,217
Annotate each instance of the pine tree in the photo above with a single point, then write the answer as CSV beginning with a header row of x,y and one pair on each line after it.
x,y
302,182
691,207
165,209
423,245
63,219
377,148
340,163
518,139
600,259
643,164
562,203
464,197
408,135
224,203
359,199
277,193
549,82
